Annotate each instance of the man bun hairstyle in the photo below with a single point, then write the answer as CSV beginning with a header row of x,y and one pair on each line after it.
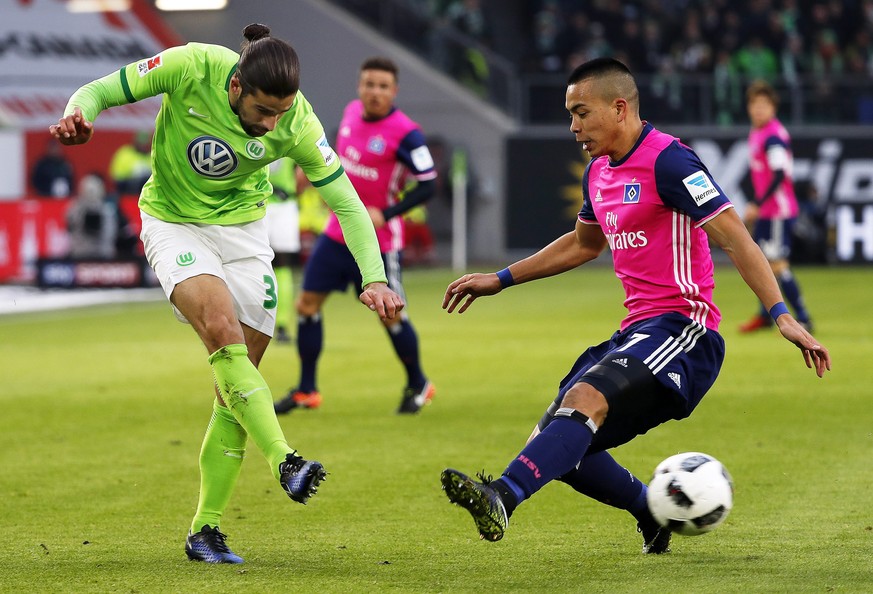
x,y
267,64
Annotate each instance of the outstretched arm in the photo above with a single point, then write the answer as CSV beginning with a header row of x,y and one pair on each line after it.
x,y
569,251
728,231
72,129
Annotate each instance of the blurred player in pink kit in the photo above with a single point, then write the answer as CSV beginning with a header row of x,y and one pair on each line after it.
x,y
651,200
380,147
772,214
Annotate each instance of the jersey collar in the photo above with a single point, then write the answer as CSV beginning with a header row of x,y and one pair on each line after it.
x,y
647,127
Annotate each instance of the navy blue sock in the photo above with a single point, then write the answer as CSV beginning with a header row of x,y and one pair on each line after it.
x,y
551,454
405,342
792,293
602,478
310,337
763,311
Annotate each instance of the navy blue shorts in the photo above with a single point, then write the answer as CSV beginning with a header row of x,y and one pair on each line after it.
x,y
774,237
331,267
684,359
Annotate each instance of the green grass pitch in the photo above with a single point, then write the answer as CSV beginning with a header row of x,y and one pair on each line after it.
x,y
103,410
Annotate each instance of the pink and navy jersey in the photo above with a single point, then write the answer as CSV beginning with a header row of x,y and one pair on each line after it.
x,y
651,205
770,151
379,156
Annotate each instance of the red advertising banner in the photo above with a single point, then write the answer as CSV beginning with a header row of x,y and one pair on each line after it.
x,y
37,229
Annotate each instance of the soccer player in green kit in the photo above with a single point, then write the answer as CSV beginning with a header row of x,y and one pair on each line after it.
x,y
224,117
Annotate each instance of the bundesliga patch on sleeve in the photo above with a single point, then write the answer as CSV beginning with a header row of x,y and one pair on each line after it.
x,y
326,152
147,66
700,187
421,158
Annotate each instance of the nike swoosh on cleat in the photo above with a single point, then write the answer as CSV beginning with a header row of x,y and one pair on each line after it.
x,y
194,113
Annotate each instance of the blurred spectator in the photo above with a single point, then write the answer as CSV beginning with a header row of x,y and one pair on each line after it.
x,y
727,89
131,164
92,220
634,45
469,65
52,173
807,46
757,61
550,42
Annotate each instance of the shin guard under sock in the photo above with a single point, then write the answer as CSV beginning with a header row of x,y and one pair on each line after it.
x,y
552,453
248,397
221,457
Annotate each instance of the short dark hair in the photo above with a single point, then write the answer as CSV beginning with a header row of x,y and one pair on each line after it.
x,y
761,88
380,63
596,68
620,80
267,64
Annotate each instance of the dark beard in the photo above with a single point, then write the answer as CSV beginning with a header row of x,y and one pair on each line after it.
x,y
253,131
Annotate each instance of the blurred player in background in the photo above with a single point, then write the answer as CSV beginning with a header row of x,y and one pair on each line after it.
x,y
379,147
283,231
131,164
773,213
224,116
651,200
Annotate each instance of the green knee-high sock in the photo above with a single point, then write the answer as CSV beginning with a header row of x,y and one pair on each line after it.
x,y
248,397
221,457
285,291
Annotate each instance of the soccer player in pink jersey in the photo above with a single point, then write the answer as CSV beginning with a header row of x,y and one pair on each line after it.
x,y
652,201
380,148
772,214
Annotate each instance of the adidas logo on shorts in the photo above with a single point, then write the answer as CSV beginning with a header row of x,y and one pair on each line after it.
x,y
622,362
677,379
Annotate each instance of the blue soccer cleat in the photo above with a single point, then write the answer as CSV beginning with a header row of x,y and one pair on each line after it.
x,y
209,545
300,478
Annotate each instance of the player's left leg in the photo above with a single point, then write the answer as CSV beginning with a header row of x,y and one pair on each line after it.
x,y
551,453
221,457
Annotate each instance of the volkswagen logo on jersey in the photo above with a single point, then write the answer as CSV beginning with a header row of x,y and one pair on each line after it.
x,y
211,157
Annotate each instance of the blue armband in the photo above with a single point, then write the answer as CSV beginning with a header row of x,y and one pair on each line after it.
x,y
505,277
777,310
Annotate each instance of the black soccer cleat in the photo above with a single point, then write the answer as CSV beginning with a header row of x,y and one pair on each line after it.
x,y
300,478
480,499
656,538
209,546
414,400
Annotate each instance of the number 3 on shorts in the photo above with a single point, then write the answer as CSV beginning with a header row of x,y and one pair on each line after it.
x,y
271,300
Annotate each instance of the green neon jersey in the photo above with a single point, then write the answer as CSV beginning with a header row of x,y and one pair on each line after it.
x,y
205,168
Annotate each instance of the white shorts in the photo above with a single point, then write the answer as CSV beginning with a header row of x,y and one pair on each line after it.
x,y
237,254
283,226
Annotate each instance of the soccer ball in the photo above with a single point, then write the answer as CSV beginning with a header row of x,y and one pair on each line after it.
x,y
690,493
